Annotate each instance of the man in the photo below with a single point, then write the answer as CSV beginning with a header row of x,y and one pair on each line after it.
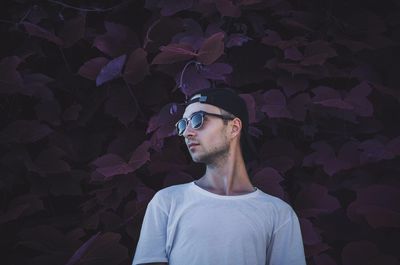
x,y
220,219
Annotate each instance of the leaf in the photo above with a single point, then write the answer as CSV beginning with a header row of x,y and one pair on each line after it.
x,y
117,40
49,111
102,249
111,70
73,30
365,252
212,49
137,67
314,200
324,155
140,156
92,68
237,40
122,106
292,85
357,97
80,252
40,32
268,180
298,106
216,71
10,79
171,7
317,52
24,131
49,161
35,85
310,235
227,8
20,207
292,53
173,53
275,104
191,81
378,204
72,112
328,97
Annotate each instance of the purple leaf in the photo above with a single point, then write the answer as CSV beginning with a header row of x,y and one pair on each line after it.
x,y
317,52
325,155
111,70
191,80
40,32
118,39
23,131
268,180
271,38
11,80
292,85
137,67
358,98
107,160
164,119
140,156
92,68
378,204
298,106
80,252
103,249
36,85
227,8
49,111
216,71
49,161
72,112
324,259
237,40
174,53
175,178
211,49
314,200
373,150
73,30
310,235
20,207
169,8
292,53
251,106
365,252
328,97
122,106
275,104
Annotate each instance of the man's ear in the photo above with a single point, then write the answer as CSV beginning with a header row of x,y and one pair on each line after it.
x,y
236,126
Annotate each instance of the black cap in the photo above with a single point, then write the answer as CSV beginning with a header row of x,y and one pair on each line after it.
x,y
231,102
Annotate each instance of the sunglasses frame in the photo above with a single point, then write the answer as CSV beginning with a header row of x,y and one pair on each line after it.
x,y
202,113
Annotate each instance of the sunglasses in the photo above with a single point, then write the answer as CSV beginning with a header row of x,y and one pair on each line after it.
x,y
196,120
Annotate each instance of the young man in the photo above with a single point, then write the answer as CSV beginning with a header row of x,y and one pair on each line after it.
x,y
219,219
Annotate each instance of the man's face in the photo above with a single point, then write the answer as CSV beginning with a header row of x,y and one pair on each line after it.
x,y
210,142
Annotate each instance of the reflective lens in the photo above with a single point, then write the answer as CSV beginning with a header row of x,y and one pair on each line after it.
x,y
196,121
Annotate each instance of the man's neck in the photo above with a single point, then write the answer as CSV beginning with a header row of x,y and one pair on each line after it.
x,y
228,177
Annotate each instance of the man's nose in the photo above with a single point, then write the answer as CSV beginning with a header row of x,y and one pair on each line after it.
x,y
189,131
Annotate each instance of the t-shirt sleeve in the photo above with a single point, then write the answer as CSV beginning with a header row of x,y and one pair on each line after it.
x,y
152,241
286,246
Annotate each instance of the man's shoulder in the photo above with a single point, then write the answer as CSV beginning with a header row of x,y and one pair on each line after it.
x,y
275,202
172,191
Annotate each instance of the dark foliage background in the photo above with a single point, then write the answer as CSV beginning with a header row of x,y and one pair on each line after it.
x,y
90,91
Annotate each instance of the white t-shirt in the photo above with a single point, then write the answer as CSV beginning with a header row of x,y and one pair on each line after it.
x,y
188,225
